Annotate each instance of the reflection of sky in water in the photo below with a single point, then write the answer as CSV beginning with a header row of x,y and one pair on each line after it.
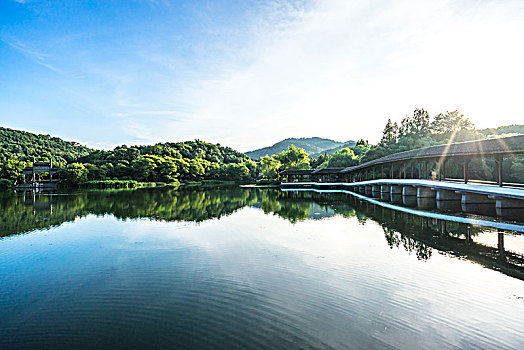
x,y
512,242
317,212
248,280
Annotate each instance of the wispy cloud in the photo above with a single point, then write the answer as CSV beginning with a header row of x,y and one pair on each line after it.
x,y
146,113
340,69
36,56
276,69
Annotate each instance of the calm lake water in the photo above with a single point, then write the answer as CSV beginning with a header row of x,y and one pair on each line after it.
x,y
241,268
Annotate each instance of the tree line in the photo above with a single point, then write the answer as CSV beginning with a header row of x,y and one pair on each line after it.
x,y
162,162
415,131
198,160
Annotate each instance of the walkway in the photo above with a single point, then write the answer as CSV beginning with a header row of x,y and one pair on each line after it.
x,y
495,191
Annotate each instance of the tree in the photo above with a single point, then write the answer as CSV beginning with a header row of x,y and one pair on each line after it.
x,y
5,184
12,170
95,172
420,124
315,162
342,158
73,174
144,168
196,168
450,122
124,153
233,171
167,170
390,134
269,167
293,158
252,166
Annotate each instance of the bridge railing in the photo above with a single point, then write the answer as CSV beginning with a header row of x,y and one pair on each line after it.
x,y
480,161
431,162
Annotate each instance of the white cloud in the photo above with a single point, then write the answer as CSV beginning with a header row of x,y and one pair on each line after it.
x,y
339,69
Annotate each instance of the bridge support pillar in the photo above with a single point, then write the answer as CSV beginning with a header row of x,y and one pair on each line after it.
x,y
477,204
510,208
375,191
426,198
385,193
362,189
409,196
368,190
448,200
396,194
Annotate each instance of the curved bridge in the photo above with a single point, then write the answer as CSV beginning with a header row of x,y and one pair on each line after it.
x,y
403,178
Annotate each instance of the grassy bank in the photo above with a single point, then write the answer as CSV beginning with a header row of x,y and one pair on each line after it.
x,y
124,184
214,183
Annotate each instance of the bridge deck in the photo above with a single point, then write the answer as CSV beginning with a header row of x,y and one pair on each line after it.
x,y
451,186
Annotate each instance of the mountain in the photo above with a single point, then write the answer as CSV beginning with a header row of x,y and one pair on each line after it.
x,y
311,145
330,151
25,145
504,130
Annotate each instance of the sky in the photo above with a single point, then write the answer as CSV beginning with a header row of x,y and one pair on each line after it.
x,y
248,73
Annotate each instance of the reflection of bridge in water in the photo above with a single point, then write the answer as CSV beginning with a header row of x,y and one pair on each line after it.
x,y
419,234
403,178
415,230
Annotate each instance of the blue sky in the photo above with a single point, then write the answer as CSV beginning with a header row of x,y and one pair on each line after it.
x,y
250,73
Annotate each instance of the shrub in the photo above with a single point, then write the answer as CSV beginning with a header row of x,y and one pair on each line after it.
x,y
5,184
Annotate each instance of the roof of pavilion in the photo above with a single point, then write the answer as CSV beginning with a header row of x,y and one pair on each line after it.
x,y
297,172
495,146
326,171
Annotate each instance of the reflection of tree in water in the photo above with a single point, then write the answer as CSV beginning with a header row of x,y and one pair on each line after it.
x,y
288,207
410,244
27,211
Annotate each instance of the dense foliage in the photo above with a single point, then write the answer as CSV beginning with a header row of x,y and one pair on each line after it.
x,y
163,162
420,130
23,146
416,131
168,162
293,158
197,160
297,158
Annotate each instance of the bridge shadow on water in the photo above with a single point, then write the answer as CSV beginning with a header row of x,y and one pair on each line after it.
x,y
28,212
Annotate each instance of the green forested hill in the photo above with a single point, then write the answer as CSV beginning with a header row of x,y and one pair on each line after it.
x,y
504,130
177,150
330,151
24,145
162,162
168,162
311,145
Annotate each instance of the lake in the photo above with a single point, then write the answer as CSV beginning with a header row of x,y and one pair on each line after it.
x,y
247,268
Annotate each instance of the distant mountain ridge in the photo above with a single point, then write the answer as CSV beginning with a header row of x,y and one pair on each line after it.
x,y
312,145
504,130
330,151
